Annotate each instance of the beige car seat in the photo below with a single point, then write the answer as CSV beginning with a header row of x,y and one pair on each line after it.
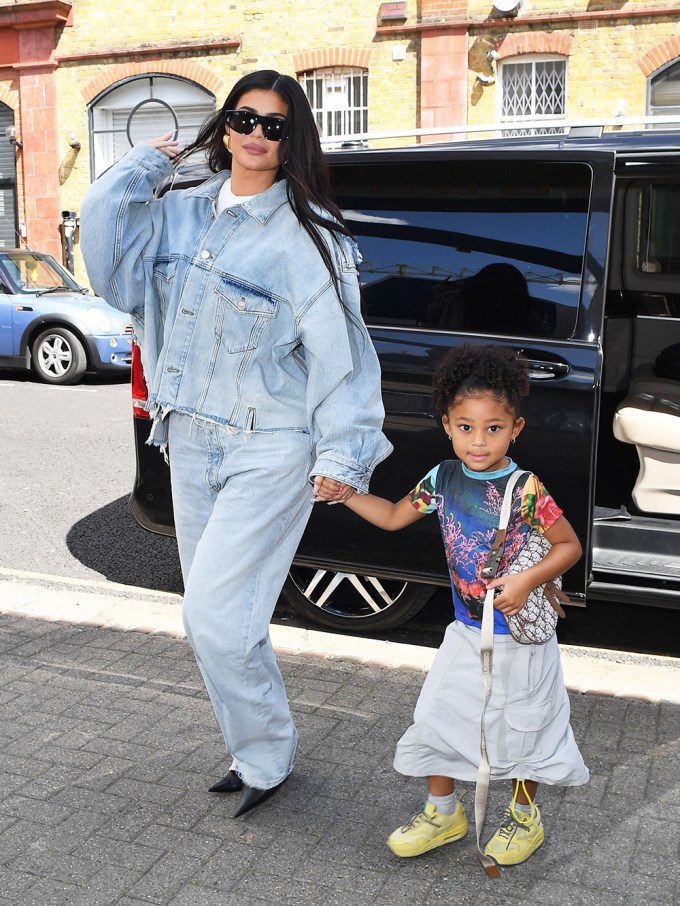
x,y
650,418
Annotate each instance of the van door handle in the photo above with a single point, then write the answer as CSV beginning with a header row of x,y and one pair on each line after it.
x,y
546,371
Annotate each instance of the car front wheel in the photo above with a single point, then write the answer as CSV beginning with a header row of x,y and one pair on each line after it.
x,y
58,356
351,602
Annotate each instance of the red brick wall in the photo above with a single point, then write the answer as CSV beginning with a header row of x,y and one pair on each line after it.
x,y
443,79
39,133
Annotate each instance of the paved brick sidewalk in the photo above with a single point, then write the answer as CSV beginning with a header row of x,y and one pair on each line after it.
x,y
108,742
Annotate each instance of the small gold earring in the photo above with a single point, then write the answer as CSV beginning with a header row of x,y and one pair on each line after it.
x,y
225,141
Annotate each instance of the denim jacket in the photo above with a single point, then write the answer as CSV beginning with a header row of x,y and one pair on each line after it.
x,y
237,317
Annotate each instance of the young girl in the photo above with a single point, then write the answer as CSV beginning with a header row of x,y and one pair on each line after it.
x,y
477,391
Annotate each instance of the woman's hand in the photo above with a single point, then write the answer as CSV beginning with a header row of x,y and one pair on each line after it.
x,y
166,144
329,490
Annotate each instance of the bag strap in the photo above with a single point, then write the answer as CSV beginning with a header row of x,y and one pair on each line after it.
x,y
486,658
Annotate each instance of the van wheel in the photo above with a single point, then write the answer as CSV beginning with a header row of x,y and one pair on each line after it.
x,y
353,603
58,356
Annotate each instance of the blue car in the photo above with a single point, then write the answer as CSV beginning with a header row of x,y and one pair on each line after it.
x,y
55,326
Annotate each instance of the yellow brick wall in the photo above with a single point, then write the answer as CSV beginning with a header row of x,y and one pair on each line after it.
x,y
603,72
603,75
270,34
481,9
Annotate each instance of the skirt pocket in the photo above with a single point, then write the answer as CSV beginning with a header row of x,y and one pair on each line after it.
x,y
521,723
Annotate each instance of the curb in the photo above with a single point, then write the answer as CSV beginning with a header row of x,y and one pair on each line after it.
x,y
594,671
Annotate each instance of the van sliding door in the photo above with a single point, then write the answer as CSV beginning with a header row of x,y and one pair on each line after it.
x,y
477,249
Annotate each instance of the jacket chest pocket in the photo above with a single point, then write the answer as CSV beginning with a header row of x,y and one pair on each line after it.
x,y
242,316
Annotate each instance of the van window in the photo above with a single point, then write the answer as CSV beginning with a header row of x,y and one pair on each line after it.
x,y
473,246
658,238
651,246
651,269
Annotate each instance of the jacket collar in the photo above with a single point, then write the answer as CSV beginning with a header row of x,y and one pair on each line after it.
x,y
261,207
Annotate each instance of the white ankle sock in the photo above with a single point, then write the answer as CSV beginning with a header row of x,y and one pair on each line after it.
x,y
445,805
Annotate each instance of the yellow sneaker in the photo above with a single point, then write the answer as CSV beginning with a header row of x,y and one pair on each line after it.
x,y
517,838
427,830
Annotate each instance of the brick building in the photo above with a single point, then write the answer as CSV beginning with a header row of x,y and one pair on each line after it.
x,y
72,72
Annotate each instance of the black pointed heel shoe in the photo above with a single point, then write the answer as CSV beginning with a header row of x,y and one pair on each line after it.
x,y
251,797
232,783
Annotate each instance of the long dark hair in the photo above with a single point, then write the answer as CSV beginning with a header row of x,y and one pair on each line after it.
x,y
301,160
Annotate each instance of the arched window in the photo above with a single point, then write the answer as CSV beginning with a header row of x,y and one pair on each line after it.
x,y
339,100
142,108
663,94
532,87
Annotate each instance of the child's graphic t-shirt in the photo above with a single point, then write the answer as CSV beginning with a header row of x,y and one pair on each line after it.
x,y
469,506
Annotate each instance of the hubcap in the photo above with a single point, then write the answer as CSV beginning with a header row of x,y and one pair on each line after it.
x,y
347,594
55,356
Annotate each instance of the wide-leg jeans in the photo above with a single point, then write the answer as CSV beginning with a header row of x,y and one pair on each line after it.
x,y
241,501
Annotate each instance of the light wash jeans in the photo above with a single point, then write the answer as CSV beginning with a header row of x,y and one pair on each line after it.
x,y
241,502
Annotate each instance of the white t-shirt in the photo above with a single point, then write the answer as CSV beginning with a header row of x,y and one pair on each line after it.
x,y
227,199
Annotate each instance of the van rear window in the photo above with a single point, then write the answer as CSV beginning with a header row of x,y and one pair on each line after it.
x,y
491,247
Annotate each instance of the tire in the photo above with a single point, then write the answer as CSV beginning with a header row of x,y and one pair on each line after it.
x,y
58,356
353,603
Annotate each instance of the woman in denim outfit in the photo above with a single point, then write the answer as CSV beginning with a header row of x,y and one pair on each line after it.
x,y
262,379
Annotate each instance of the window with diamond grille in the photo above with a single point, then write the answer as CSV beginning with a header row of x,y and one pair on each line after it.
x,y
664,92
533,89
339,100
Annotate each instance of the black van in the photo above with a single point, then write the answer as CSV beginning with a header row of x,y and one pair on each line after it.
x,y
566,247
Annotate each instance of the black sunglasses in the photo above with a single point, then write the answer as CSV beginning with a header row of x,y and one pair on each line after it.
x,y
244,122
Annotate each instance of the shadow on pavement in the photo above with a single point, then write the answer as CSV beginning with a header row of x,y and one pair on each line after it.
x,y
111,543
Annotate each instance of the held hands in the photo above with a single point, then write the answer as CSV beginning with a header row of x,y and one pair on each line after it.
x,y
514,593
166,144
328,490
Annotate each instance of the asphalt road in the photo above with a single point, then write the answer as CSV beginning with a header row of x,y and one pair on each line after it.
x,y
67,466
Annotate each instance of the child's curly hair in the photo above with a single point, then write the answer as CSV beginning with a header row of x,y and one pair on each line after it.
x,y
467,370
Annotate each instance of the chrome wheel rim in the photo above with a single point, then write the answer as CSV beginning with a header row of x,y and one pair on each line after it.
x,y
55,356
347,594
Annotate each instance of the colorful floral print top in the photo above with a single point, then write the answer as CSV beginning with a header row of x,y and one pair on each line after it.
x,y
469,506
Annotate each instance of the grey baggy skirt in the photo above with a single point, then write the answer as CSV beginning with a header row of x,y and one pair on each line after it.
x,y
527,719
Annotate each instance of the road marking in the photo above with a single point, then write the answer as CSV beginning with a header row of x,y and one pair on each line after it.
x,y
49,387
73,389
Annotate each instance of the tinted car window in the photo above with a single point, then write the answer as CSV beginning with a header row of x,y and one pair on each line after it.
x,y
470,246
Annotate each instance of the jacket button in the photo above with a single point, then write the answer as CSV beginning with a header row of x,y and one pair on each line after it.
x,y
205,254
242,304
